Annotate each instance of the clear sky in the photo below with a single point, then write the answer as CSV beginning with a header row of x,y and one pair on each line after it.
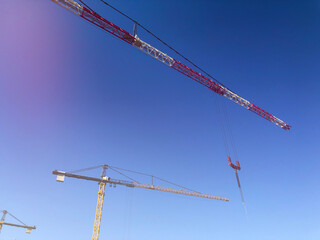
x,y
72,96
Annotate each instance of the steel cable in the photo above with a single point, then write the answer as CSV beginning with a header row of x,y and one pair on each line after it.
x,y
163,42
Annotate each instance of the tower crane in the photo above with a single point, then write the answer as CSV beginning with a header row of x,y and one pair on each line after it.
x,y
135,41
103,180
22,225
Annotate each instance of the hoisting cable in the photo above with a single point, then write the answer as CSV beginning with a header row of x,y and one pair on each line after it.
x,y
229,129
227,135
222,125
235,152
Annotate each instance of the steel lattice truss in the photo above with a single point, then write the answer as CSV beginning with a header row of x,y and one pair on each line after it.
x,y
164,58
138,185
97,219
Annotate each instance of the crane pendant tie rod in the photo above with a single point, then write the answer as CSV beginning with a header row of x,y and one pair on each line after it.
x,y
99,21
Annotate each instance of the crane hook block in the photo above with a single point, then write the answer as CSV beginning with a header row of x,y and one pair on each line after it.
x,y
236,167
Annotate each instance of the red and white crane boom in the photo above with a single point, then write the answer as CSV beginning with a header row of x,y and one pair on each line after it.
x,y
106,25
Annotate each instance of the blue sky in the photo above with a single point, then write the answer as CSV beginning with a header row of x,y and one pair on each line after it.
x,y
72,96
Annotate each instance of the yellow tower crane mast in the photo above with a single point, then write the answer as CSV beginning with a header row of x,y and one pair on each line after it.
x,y
103,180
97,219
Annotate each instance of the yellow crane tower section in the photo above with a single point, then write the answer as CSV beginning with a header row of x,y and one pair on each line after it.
x,y
101,193
97,219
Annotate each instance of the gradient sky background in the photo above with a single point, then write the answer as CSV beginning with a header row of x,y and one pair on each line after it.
x,y
72,96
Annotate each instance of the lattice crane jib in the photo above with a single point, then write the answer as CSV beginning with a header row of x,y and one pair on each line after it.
x,y
133,40
22,225
61,176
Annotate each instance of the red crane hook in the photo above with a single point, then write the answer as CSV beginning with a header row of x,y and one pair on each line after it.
x,y
234,166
